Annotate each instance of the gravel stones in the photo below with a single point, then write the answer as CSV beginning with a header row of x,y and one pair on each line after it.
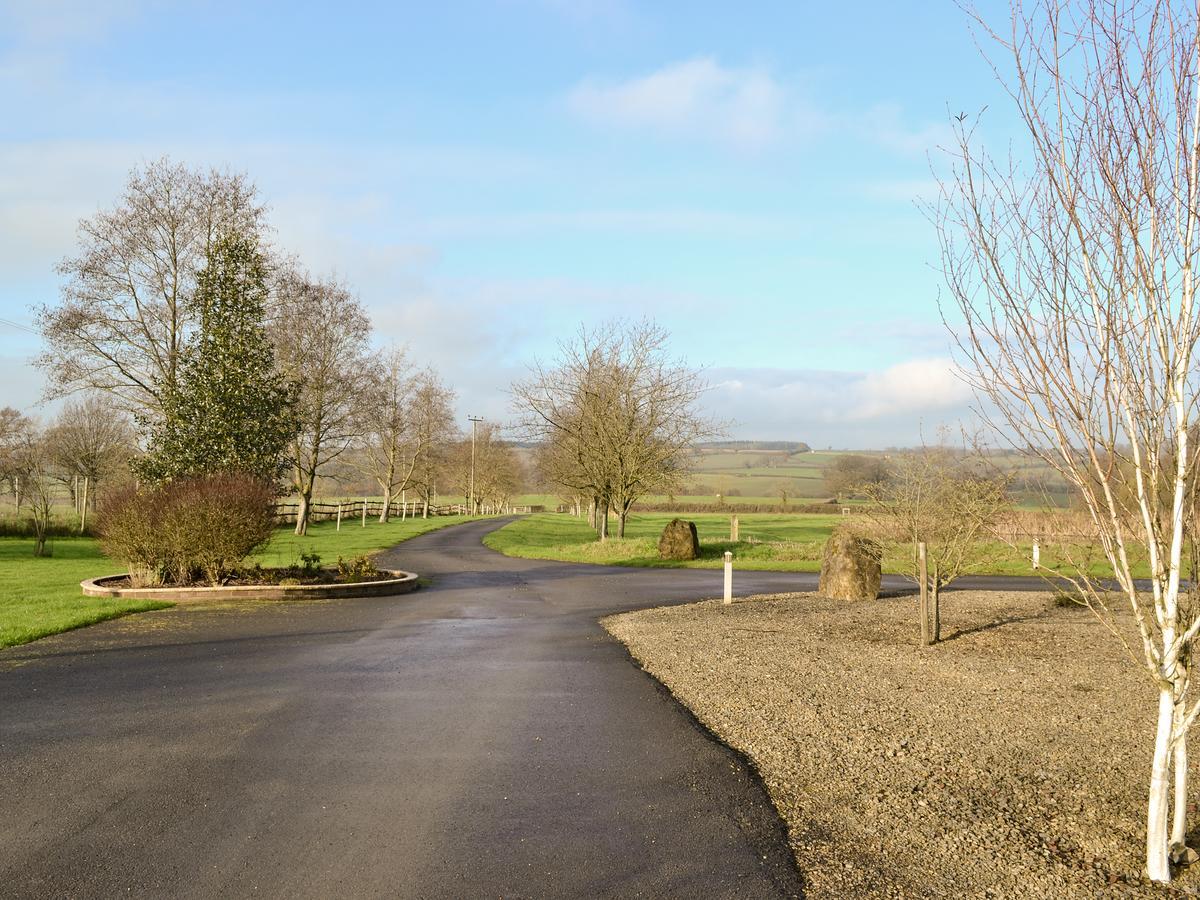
x,y
1011,760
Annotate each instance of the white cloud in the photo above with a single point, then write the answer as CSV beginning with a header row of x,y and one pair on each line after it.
x,y
891,407
886,125
744,107
53,21
747,107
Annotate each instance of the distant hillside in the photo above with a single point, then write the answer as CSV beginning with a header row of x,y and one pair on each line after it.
x,y
788,446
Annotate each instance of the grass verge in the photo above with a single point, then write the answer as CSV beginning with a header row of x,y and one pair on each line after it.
x,y
769,542
41,596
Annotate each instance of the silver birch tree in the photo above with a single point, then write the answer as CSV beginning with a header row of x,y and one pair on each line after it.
x,y
1071,265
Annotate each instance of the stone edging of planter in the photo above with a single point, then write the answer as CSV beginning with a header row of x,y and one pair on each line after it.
x,y
400,583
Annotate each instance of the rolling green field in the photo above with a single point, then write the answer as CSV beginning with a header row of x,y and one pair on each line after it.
x,y
41,596
779,542
755,477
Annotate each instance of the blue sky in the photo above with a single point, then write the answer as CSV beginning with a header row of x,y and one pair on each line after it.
x,y
488,175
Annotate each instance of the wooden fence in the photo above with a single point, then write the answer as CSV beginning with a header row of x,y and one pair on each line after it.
x,y
365,510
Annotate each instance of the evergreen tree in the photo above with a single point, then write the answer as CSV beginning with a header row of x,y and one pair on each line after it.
x,y
229,410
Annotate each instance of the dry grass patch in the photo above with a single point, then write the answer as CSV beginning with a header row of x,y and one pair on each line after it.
x,y
1009,761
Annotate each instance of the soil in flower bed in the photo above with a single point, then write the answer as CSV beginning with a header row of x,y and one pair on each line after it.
x,y
1011,760
288,576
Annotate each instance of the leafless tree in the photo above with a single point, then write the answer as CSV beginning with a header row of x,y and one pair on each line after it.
x,y
320,332
784,489
390,445
433,431
124,314
1072,266
14,426
936,497
91,440
618,415
850,472
497,471
31,461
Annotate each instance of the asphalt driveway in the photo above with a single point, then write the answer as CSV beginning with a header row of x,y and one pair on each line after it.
x,y
483,737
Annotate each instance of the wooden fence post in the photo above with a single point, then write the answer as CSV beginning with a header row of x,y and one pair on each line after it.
x,y
83,506
339,524
364,517
734,529
923,573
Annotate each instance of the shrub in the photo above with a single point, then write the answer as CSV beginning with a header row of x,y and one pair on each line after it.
x,y
311,563
1066,600
190,529
360,568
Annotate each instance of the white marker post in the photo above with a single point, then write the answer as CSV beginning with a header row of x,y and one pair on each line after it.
x,y
364,525
728,577
1037,555
339,525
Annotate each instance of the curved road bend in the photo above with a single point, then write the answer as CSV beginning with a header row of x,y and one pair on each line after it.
x,y
483,737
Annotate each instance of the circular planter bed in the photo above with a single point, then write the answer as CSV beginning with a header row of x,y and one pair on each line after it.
x,y
117,586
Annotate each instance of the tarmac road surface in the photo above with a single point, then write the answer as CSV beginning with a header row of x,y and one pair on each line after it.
x,y
482,737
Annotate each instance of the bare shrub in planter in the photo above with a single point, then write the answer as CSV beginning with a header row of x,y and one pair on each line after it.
x,y
188,530
130,529
215,522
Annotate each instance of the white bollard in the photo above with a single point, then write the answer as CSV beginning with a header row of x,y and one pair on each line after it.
x,y
728,577
1037,555
364,525
339,524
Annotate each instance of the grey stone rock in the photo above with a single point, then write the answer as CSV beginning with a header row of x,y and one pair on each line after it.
x,y
850,567
679,541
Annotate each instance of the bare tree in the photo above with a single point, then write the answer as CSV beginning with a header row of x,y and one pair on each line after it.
x,y
1073,268
14,426
390,446
320,332
124,313
784,489
433,431
619,416
851,472
32,464
937,498
497,471
91,440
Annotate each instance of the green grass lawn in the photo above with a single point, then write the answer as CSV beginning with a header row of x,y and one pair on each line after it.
x,y
781,542
41,596
324,539
768,541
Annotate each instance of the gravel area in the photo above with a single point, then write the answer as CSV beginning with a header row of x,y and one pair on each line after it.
x,y
1011,760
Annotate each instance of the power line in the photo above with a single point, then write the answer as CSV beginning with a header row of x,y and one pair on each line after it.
x,y
11,324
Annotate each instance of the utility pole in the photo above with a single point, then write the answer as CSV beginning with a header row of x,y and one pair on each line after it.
x,y
474,420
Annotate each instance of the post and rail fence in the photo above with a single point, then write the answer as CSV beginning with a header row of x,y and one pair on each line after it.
x,y
367,509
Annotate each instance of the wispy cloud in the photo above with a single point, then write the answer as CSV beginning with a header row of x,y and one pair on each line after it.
x,y
889,407
746,107
700,97
53,21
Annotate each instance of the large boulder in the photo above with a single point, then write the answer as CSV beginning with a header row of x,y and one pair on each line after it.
x,y
679,541
850,567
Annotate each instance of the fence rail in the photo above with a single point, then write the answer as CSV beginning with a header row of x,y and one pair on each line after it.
x,y
366,509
